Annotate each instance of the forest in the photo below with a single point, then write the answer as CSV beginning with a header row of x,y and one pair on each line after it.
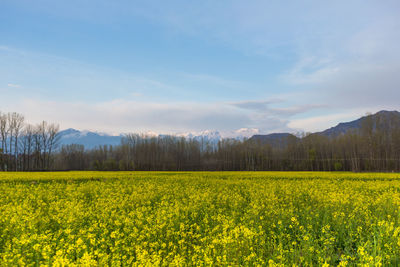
x,y
375,146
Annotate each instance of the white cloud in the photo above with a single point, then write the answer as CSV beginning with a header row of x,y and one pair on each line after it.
x,y
258,105
134,116
13,85
349,65
256,27
266,107
311,70
120,115
359,71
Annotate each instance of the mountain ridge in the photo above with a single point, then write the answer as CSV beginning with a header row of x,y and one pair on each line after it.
x,y
382,120
344,127
94,139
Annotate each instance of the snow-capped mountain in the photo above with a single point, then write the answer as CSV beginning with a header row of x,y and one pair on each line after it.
x,y
216,135
94,139
242,133
88,139
384,120
212,137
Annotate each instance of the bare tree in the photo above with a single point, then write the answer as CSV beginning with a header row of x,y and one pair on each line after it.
x,y
52,140
11,127
17,123
38,147
4,132
27,146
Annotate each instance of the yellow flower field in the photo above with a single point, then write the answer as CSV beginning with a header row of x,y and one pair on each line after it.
x,y
199,218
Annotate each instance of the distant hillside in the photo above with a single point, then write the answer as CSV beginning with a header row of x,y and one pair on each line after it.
x,y
88,139
382,120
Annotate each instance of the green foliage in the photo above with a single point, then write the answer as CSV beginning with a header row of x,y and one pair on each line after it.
x,y
312,154
97,166
338,166
110,165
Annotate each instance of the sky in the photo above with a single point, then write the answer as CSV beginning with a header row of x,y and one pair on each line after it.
x,y
189,66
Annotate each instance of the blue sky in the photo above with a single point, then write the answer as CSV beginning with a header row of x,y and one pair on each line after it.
x,y
180,66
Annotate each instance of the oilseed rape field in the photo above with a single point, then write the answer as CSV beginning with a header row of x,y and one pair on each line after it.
x,y
199,219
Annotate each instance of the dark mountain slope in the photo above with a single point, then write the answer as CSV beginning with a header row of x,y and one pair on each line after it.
x,y
382,120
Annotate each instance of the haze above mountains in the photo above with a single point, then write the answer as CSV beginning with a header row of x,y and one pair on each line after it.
x,y
93,139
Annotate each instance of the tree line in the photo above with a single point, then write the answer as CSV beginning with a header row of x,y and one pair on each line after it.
x,y
374,146
26,147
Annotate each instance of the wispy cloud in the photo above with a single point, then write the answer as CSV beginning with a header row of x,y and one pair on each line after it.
x,y
266,107
78,80
141,116
13,85
311,70
257,105
321,68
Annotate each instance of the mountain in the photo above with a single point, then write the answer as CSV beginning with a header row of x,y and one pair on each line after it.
x,y
212,137
88,139
94,139
383,120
